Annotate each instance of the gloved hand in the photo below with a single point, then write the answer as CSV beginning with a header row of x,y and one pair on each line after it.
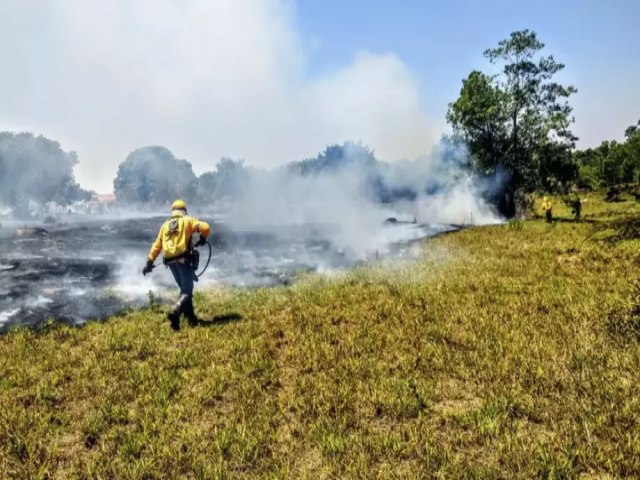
x,y
201,241
147,268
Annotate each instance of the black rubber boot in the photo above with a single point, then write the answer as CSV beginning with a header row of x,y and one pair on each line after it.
x,y
179,309
189,313
174,318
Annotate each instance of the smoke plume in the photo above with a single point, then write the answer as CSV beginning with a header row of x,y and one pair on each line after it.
x,y
207,78
358,202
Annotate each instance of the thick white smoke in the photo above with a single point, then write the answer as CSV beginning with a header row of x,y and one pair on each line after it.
x,y
206,78
345,204
460,205
335,202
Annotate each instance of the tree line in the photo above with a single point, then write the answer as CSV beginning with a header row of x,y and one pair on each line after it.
x,y
152,175
518,119
612,163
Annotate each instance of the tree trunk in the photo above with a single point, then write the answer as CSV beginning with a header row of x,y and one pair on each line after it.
x,y
514,144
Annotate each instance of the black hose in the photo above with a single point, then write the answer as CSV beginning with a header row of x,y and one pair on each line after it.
x,y
208,260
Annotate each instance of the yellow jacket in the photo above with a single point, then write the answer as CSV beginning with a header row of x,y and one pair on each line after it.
x,y
546,205
180,243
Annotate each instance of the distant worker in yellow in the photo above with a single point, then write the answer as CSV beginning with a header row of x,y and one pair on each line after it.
x,y
547,206
174,240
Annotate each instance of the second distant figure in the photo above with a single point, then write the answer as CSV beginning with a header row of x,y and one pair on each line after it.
x,y
174,240
577,208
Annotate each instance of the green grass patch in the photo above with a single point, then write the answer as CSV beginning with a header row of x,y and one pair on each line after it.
x,y
510,351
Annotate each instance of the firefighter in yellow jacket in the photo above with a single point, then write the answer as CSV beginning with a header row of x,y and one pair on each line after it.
x,y
174,240
547,206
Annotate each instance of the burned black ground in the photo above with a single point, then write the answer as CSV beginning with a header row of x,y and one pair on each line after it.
x,y
90,269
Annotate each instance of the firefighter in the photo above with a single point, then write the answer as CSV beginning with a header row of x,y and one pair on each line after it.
x,y
174,241
577,208
547,206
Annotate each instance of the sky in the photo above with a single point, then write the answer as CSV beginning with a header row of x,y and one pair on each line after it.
x,y
272,81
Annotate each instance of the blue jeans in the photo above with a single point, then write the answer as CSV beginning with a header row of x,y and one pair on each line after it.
x,y
183,274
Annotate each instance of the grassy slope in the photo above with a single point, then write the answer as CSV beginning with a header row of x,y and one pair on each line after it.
x,y
507,351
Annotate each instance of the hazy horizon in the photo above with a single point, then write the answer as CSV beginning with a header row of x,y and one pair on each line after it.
x,y
275,81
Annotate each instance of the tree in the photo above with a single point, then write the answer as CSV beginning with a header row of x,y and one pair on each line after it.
x,y
590,164
632,152
228,181
611,163
152,175
520,118
334,158
479,116
206,187
538,112
36,169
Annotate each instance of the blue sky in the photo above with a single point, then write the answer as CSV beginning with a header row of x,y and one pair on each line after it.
x,y
442,41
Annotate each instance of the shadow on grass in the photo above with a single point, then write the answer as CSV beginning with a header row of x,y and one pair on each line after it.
x,y
626,227
572,219
590,221
221,320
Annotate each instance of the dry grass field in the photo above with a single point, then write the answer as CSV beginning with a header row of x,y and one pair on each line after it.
x,y
509,351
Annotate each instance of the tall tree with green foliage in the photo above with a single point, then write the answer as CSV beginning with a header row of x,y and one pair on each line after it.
x,y
518,119
480,116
